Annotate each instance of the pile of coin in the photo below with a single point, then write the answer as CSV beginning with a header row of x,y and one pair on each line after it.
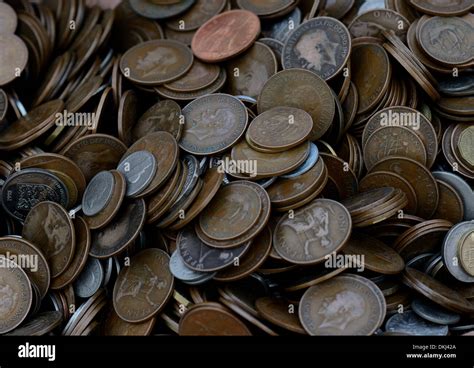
x,y
241,167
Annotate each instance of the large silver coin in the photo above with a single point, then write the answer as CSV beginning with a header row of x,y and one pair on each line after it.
x,y
139,169
98,193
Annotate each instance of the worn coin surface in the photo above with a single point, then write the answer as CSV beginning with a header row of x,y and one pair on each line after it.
x,y
410,323
163,116
159,10
321,45
143,288
98,193
197,15
343,305
90,279
433,312
49,227
434,7
373,22
466,252
138,168
200,76
316,230
40,325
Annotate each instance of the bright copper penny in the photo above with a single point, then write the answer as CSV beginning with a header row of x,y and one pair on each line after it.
x,y
225,35
163,116
50,228
211,319
143,289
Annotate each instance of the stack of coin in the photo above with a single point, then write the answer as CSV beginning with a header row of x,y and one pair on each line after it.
x,y
237,167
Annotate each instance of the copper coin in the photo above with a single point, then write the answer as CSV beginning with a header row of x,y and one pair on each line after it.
x,y
321,45
450,206
200,76
13,58
119,234
81,252
94,153
39,274
49,226
17,295
343,179
115,326
361,203
434,7
211,319
277,312
213,123
226,35
143,289
156,200
40,325
313,232
3,105
264,8
248,73
163,146
280,128
344,305
197,15
154,10
127,116
372,22
304,90
156,62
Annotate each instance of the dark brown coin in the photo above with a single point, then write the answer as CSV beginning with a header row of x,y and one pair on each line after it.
x,y
160,10
127,116
211,319
362,202
40,325
94,153
163,116
313,232
197,15
344,305
143,288
321,45
373,22
39,274
341,179
3,105
304,90
49,227
226,35
81,252
450,206
435,7
263,8
277,311
115,326
156,62
200,76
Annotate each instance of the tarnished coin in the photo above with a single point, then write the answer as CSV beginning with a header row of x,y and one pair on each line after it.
x,y
138,168
16,295
225,36
342,182
264,8
343,305
13,58
154,10
201,257
163,116
315,231
281,29
432,312
450,206
119,234
3,105
115,326
49,227
197,15
211,319
200,76
254,67
40,325
312,159
26,188
321,45
213,123
373,22
276,311
410,323
8,19
304,90
143,289
156,62
90,279
182,272
435,7
466,252
280,128
466,144
98,193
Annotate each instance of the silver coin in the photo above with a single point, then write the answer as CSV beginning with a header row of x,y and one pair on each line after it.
x,y
109,265
432,312
275,45
462,328
450,251
410,323
247,99
139,169
282,29
419,261
98,193
192,177
307,165
182,272
432,262
457,85
90,279
462,188
203,164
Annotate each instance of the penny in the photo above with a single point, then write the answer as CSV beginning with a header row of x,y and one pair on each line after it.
x,y
143,289
262,8
254,67
343,179
359,204
393,141
98,193
40,325
95,153
164,148
83,243
372,22
450,250
14,57
119,234
304,90
276,46
280,128
127,115
344,305
410,323
371,74
465,145
182,272
313,232
138,169
163,116
312,159
156,62
277,312
465,252
172,185
200,257
16,294
115,326
281,29
197,15
49,226
39,274
450,206
213,123
85,308
192,177
211,319
152,10
321,45
433,312
226,35
200,76
26,188
442,8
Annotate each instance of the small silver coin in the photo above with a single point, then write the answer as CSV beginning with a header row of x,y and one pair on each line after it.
x,y
410,323
182,272
432,312
139,169
307,165
98,193
193,166
90,279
